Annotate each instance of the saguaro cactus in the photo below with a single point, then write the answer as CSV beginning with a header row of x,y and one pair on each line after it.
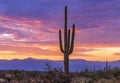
x,y
68,43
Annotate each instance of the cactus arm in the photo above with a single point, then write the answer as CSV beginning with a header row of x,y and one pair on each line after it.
x,y
72,40
60,40
68,42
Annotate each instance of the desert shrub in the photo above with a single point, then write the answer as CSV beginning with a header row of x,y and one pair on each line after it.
x,y
115,72
55,75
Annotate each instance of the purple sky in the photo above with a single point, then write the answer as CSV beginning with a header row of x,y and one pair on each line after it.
x,y
36,23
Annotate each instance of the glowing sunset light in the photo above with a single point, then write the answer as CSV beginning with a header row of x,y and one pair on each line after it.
x,y
7,52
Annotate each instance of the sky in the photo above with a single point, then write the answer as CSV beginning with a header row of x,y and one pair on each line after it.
x,y
29,28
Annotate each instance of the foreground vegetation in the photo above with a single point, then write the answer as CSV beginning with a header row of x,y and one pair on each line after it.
x,y
99,76
57,76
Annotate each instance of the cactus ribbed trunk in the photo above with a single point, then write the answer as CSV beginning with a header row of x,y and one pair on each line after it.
x,y
68,43
66,63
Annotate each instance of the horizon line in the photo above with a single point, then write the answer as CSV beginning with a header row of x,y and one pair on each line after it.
x,y
56,60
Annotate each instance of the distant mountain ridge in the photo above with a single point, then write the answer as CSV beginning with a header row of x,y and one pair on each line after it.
x,y
39,65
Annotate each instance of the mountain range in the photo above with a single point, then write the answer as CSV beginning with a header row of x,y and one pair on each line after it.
x,y
76,65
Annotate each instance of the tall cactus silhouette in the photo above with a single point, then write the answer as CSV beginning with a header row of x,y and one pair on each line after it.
x,y
67,49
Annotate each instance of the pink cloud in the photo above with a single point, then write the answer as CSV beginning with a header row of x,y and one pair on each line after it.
x,y
27,29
